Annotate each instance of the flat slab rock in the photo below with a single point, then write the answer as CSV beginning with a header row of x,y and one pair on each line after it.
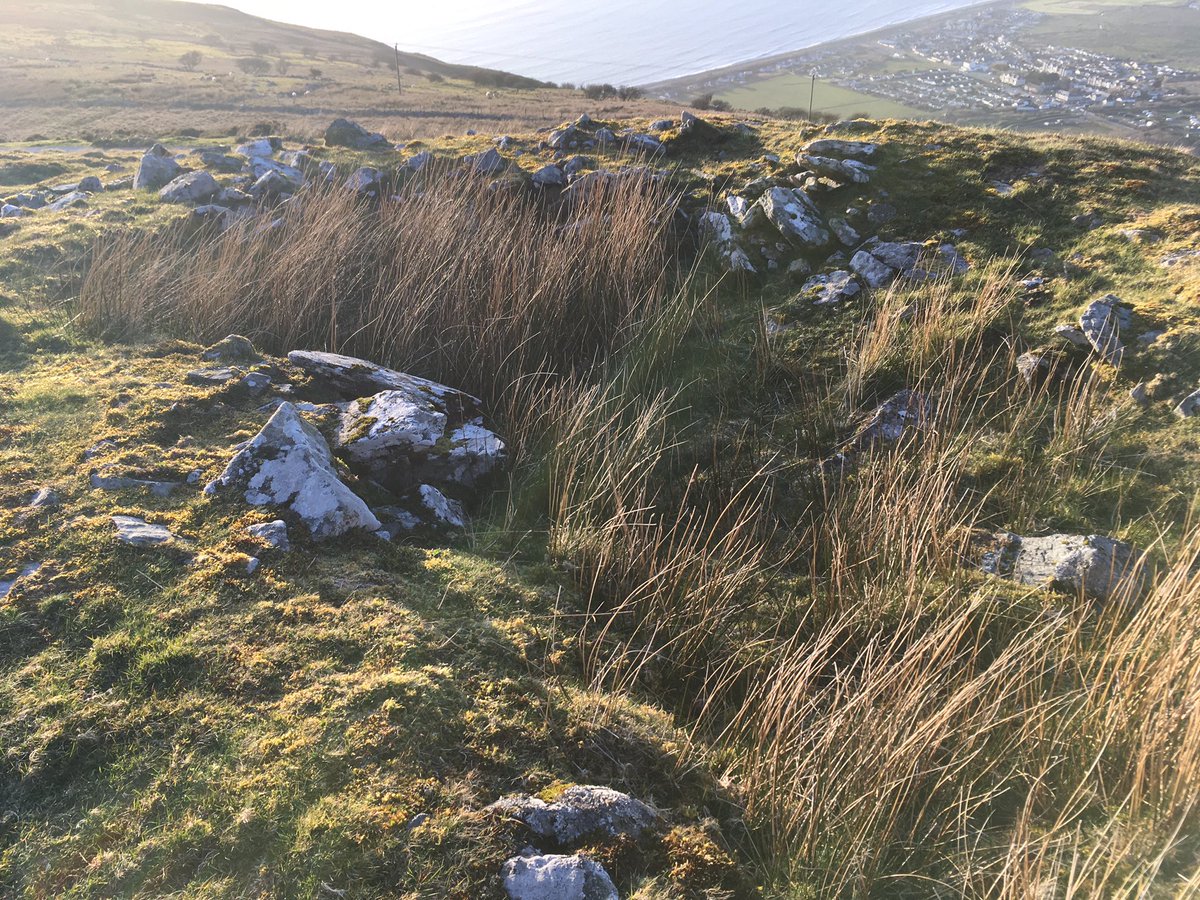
x,y
1102,323
557,878
1098,566
140,533
580,813
288,464
796,216
355,378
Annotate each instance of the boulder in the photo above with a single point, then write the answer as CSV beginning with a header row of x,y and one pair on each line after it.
x,y
874,272
557,878
365,180
259,149
73,199
550,176
288,464
745,212
194,187
846,234
439,509
795,215
220,162
879,263
344,133
140,533
156,170
581,814
354,378
490,162
270,186
91,185
1097,566
1102,323
717,228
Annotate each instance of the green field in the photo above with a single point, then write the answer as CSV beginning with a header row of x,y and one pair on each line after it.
x,y
793,90
1153,32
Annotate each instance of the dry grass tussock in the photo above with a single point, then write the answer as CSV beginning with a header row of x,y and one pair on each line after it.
x,y
475,287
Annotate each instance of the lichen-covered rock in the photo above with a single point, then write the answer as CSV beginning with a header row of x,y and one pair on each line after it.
x,y
795,215
194,187
718,229
404,437
831,289
233,348
557,878
1098,566
288,465
581,813
1102,323
354,378
156,170
904,411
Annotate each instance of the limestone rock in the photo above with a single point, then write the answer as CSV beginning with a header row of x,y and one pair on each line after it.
x,y
273,534
719,231
795,215
1189,406
288,464
1102,323
581,813
365,180
1098,566
550,176
156,170
831,289
354,378
904,411
402,437
140,533
194,187
842,149
557,878
843,170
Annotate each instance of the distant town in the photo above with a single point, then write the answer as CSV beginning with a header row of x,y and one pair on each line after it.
x,y
987,65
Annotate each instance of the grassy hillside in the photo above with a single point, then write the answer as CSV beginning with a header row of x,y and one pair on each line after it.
x,y
138,69
678,589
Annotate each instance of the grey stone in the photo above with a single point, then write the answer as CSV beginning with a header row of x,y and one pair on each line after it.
x,y
872,270
124,483
1102,323
581,813
26,571
273,534
795,215
1072,334
557,878
344,133
288,464
845,232
75,198
904,411
830,289
91,185
354,378
550,176
843,149
194,187
441,509
140,533
490,162
256,149
156,170
1098,566
1189,406
45,498
219,162
844,170
717,228
364,180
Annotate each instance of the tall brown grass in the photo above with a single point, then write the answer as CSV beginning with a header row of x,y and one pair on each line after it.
x,y
449,278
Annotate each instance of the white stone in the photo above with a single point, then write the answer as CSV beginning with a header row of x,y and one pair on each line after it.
x,y
194,187
1098,566
795,215
1101,324
557,878
140,533
273,534
289,465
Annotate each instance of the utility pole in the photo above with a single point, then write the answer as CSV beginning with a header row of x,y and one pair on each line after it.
x,y
399,83
812,92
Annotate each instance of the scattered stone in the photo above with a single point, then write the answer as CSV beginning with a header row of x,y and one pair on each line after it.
x,y
156,170
1179,258
288,464
873,271
799,270
1073,335
904,411
252,565
1140,393
581,813
719,230
125,483
954,262
1100,567
1102,322
1141,236
259,149
827,290
273,534
1040,367
232,348
880,212
1189,406
419,161
45,498
795,215
490,162
557,878
215,377
140,533
845,232
90,184
442,509
662,125
73,199
219,162
26,571
365,180
344,133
